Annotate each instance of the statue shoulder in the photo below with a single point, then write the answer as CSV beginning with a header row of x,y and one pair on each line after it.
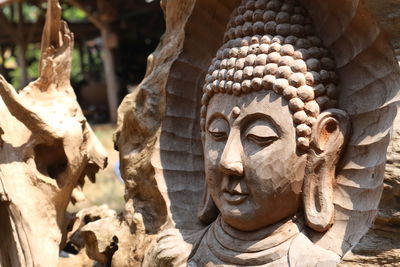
x,y
171,248
304,253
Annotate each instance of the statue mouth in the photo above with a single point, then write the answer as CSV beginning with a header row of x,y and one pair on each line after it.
x,y
234,198
234,190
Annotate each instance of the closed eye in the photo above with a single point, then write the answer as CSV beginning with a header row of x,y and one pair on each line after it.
x,y
262,133
219,129
219,135
262,141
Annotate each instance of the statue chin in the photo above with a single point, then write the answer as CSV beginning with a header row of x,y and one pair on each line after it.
x,y
250,216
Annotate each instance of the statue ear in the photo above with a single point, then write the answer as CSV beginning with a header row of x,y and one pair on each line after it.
x,y
208,211
329,134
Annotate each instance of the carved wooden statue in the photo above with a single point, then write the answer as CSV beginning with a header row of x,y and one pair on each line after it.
x,y
285,113
257,138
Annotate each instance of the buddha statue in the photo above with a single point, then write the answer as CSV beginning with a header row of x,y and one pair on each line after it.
x,y
253,123
272,139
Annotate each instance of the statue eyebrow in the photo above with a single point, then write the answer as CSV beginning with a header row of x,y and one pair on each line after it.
x,y
214,116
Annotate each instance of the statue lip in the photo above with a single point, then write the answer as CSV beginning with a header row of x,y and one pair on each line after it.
x,y
234,197
234,190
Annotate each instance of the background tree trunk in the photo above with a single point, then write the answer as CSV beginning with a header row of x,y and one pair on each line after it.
x,y
109,71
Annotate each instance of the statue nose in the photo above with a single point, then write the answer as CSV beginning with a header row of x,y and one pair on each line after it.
x,y
231,159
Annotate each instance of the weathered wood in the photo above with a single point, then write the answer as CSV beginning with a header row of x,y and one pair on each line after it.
x,y
47,148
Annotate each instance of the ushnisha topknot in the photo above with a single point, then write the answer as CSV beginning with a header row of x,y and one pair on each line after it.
x,y
269,45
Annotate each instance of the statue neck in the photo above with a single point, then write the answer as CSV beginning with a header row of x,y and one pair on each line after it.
x,y
231,246
262,239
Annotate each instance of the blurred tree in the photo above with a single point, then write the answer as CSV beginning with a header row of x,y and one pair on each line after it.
x,y
112,42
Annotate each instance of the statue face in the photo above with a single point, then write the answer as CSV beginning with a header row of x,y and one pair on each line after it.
x,y
253,172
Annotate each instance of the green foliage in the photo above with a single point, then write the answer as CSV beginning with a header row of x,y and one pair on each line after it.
x,y
16,78
32,14
32,58
76,73
73,14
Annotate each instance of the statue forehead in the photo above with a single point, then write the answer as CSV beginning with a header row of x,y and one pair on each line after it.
x,y
263,102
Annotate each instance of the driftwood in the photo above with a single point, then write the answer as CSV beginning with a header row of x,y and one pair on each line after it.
x,y
47,148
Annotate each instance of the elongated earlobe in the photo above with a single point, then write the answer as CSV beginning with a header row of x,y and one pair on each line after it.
x,y
328,139
208,211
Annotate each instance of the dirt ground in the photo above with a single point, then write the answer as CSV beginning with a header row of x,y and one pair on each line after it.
x,y
108,189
